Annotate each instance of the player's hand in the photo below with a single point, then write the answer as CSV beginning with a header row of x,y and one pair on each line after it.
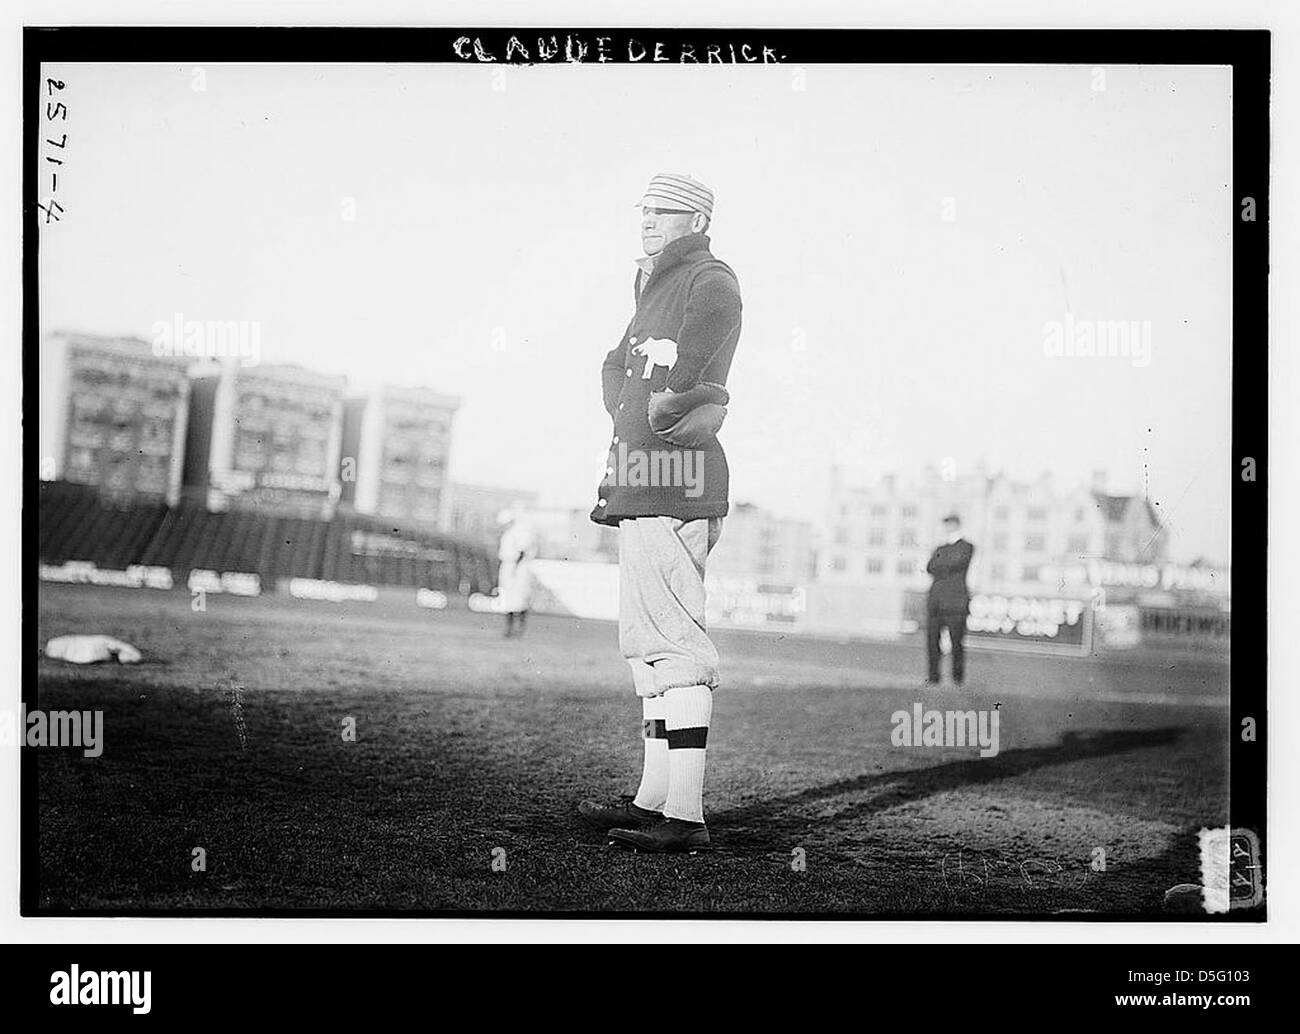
x,y
689,418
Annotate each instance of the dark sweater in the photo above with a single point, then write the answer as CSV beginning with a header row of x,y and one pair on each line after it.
x,y
948,565
691,299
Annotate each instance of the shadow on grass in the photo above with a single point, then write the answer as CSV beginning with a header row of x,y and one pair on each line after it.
x,y
751,825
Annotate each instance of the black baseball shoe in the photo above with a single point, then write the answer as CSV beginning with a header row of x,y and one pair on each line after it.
x,y
665,835
624,814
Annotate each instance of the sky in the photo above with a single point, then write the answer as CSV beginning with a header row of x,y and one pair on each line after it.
x,y
904,237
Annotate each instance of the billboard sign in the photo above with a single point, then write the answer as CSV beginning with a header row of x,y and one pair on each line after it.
x,y
1047,623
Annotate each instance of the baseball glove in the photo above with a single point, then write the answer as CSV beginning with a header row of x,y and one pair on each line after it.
x,y
689,418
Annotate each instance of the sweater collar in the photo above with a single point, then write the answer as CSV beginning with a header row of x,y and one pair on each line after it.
x,y
673,253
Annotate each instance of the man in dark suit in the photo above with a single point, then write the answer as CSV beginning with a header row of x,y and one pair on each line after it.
x,y
949,599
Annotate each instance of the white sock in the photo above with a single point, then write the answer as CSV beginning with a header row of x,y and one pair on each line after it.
x,y
653,791
689,711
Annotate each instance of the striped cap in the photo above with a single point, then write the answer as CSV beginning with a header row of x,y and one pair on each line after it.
x,y
670,190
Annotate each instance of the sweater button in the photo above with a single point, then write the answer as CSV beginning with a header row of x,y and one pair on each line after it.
x,y
615,439
632,340
629,373
601,502
609,470
620,405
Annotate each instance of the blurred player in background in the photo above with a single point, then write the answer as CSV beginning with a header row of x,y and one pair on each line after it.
x,y
515,575
666,488
949,600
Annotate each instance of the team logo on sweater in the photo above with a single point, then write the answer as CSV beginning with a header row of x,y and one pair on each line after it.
x,y
659,351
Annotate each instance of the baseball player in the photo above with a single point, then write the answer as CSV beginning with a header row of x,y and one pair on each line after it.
x,y
665,488
515,573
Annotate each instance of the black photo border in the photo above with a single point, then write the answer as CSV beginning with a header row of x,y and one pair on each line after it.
x,y
1247,52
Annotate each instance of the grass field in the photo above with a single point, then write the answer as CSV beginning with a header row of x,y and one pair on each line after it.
x,y
471,748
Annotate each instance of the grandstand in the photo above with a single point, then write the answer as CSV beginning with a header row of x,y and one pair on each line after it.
x,y
77,523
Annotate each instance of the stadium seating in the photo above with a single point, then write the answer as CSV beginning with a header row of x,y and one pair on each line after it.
x,y
76,522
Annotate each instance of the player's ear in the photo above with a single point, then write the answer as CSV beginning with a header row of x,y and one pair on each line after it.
x,y
699,222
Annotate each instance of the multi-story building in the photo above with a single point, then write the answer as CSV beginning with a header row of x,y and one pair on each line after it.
x,y
396,445
204,379
878,538
569,533
761,547
1132,529
113,414
276,438
469,512
883,534
759,572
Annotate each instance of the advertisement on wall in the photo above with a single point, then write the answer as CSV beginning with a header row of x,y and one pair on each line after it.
x,y
1018,621
1047,623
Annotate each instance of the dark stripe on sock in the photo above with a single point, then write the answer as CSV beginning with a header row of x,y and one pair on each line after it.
x,y
688,739
653,729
